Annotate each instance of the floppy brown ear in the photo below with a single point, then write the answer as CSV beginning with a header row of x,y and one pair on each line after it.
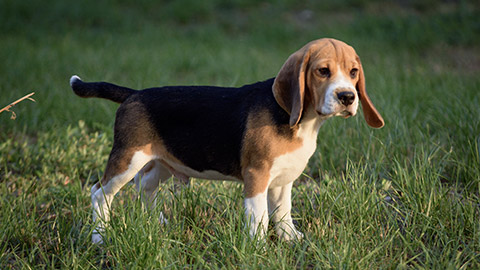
x,y
373,118
289,85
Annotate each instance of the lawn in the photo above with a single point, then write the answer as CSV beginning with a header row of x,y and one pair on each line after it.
x,y
404,196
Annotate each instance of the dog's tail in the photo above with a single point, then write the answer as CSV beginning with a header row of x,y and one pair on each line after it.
x,y
100,89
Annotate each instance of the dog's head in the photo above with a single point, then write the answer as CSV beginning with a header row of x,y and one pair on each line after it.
x,y
328,75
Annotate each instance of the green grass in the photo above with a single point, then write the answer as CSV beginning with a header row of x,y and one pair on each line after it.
x,y
404,196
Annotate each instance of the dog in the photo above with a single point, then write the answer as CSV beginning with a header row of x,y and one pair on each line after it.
x,y
260,134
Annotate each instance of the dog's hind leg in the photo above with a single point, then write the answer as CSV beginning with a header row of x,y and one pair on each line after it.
x,y
121,168
147,181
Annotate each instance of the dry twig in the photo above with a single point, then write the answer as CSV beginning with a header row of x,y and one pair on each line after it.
x,y
7,108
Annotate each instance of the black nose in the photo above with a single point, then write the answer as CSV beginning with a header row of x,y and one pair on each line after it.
x,y
346,97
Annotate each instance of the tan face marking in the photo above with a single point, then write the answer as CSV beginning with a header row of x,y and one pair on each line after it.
x,y
333,69
307,74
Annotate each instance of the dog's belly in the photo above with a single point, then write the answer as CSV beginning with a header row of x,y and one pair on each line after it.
x,y
183,172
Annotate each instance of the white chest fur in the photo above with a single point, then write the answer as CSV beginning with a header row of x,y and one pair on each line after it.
x,y
288,167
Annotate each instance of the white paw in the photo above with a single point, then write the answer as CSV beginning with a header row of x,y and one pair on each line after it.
x,y
97,238
289,233
298,235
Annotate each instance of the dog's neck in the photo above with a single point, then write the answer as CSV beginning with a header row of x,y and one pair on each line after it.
x,y
310,123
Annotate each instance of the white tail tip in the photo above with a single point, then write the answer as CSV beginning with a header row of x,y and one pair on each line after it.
x,y
73,79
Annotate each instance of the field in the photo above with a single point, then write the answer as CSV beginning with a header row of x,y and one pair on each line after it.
x,y
404,196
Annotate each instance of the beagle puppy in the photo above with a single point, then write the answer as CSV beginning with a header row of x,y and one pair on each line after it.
x,y
260,134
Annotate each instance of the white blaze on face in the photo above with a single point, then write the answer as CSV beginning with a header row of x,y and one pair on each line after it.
x,y
331,104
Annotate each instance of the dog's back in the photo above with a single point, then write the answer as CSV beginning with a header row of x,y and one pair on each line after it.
x,y
202,126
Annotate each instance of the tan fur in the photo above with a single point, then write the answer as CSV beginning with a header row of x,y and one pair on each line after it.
x,y
262,145
297,87
303,65
166,159
289,85
325,54
272,155
118,162
373,118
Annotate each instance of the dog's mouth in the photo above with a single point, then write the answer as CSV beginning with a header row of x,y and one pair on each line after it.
x,y
345,114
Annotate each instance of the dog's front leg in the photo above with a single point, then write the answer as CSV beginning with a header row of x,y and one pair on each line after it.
x,y
256,213
279,207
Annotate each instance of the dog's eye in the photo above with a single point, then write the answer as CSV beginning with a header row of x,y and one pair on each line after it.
x,y
324,72
353,73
